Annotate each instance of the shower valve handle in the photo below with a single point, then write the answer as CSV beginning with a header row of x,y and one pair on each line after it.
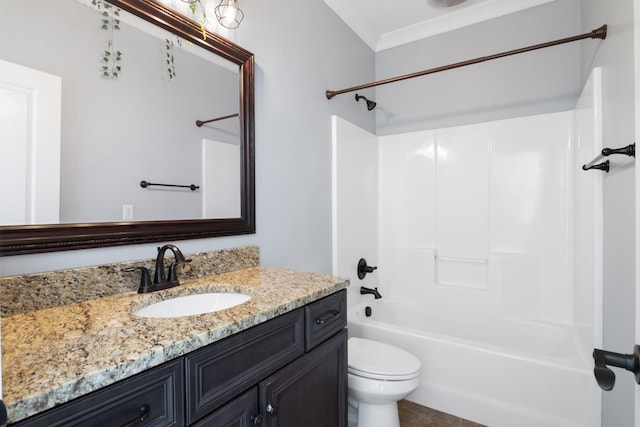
x,y
363,268
606,377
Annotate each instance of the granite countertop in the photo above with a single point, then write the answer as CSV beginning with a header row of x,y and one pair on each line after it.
x,y
53,355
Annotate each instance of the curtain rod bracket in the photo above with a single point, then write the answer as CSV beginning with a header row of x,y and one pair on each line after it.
x,y
598,33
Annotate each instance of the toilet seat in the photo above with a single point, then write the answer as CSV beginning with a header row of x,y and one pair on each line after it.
x,y
376,360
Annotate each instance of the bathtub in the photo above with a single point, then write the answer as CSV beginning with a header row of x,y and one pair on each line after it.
x,y
497,372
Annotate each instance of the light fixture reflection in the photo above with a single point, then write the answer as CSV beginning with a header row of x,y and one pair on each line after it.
x,y
229,14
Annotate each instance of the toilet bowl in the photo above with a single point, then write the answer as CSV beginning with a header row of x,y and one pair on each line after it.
x,y
379,375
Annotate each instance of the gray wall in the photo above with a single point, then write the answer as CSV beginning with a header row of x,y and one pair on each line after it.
x,y
543,81
302,49
616,56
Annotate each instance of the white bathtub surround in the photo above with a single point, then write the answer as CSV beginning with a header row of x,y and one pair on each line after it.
x,y
588,218
355,183
487,237
499,203
220,163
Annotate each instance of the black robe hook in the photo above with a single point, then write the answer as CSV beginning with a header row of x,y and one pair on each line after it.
x,y
606,377
604,166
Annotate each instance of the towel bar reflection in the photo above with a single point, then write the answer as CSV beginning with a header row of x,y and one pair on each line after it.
x,y
199,123
629,150
145,184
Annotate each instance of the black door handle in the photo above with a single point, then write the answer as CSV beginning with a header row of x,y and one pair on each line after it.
x,y
606,377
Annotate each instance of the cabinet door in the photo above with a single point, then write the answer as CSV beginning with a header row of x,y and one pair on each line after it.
x,y
240,412
311,391
153,398
221,371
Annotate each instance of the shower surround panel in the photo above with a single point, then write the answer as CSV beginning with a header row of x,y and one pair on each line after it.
x,y
487,239
492,201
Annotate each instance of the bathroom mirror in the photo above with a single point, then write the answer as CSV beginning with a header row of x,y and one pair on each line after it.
x,y
91,232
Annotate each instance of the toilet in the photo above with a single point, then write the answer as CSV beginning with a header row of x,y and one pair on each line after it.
x,y
379,375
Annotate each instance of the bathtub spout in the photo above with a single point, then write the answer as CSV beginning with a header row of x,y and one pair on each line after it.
x,y
374,292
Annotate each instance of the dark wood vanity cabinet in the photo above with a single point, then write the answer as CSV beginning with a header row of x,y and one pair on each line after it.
x,y
298,361
242,411
288,372
217,373
311,391
152,398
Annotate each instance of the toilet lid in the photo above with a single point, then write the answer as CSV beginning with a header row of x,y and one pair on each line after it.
x,y
373,359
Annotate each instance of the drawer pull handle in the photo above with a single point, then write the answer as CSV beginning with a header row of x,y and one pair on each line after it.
x,y
272,409
333,314
143,413
256,419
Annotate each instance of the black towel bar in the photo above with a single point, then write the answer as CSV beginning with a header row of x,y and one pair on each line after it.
x,y
145,184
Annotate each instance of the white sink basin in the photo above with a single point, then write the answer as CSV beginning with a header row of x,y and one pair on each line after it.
x,y
192,304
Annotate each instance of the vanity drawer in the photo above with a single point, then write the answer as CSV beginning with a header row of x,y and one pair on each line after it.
x,y
221,371
324,318
157,393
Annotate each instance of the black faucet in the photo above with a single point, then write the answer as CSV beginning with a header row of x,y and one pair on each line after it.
x,y
374,292
160,281
172,279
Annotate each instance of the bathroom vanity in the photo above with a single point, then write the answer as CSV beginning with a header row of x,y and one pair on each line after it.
x,y
278,360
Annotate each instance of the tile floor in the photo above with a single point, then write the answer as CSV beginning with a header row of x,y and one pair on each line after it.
x,y
414,415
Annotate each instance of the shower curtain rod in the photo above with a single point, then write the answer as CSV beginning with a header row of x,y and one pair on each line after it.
x,y
598,33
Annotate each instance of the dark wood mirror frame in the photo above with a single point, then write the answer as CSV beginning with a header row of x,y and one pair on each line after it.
x,y
27,239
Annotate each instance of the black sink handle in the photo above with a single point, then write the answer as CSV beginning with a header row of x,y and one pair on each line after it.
x,y
606,377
